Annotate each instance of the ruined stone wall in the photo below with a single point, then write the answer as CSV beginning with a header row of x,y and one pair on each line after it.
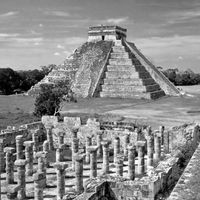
x,y
188,186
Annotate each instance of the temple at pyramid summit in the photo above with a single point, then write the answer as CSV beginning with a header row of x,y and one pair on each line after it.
x,y
107,65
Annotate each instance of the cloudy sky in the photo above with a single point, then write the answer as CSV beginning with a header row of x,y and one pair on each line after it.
x,y
42,32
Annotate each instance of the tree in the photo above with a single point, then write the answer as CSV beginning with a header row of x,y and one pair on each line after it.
x,y
50,99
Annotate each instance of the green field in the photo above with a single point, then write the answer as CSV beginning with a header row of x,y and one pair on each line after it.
x,y
168,111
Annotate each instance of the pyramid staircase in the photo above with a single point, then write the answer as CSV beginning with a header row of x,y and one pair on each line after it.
x,y
126,77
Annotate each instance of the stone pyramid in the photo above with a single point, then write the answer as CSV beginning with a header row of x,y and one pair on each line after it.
x,y
109,66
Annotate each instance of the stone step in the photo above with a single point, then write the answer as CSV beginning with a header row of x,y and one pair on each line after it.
x,y
126,74
120,61
130,68
118,49
136,95
126,81
130,88
118,43
119,55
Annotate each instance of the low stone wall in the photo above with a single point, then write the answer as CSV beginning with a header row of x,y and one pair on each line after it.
x,y
188,186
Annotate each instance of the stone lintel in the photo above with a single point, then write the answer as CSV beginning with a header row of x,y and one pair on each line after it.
x,y
40,154
141,143
20,162
9,150
19,137
60,165
92,148
79,157
38,176
106,142
28,143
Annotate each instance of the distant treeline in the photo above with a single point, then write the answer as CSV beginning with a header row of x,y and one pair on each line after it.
x,y
187,77
12,82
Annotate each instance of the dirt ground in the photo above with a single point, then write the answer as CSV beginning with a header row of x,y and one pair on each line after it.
x,y
168,111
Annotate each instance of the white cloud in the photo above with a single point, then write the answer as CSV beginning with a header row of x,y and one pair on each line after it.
x,y
117,20
74,40
57,13
8,14
182,16
40,25
6,35
56,54
28,40
60,46
180,58
37,43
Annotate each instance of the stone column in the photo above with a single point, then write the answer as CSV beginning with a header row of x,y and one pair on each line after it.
x,y
116,148
93,161
61,138
42,166
21,181
105,165
126,142
119,165
150,147
79,173
166,142
9,164
45,148
29,157
75,147
60,170
59,154
99,140
19,147
157,144
35,139
38,178
74,132
49,128
140,145
131,161
162,129
2,160
88,143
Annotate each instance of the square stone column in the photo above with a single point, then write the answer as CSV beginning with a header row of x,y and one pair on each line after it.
x,y
42,164
19,147
126,142
141,167
75,148
60,170
162,129
60,135
87,144
29,157
131,161
93,161
166,142
38,178
9,164
35,139
157,147
74,132
21,180
105,165
150,150
119,165
79,173
49,128
116,148
99,140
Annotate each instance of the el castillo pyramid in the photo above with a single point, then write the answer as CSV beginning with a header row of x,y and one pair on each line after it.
x,y
107,65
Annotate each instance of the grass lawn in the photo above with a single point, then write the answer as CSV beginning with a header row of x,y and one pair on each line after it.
x,y
168,111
